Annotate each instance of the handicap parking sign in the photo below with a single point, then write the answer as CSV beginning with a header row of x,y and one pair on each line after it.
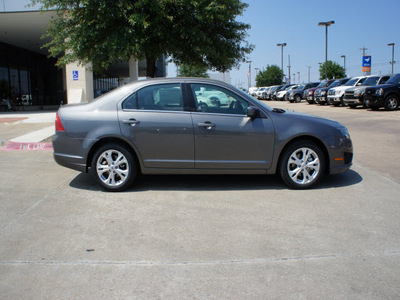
x,y
75,75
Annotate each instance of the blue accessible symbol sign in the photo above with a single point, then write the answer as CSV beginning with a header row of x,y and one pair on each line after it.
x,y
75,75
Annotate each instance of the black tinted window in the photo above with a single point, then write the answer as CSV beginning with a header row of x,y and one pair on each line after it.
x,y
160,97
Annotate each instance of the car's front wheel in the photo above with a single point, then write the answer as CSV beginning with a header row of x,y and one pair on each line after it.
x,y
391,102
297,98
302,165
114,167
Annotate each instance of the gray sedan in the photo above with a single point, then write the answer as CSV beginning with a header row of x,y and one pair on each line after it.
x,y
172,126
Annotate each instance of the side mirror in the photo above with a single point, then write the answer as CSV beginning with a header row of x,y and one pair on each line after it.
x,y
252,112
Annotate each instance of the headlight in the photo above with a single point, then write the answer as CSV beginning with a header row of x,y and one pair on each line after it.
x,y
344,132
323,92
379,92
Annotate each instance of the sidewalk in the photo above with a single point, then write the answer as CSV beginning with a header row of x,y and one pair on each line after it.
x,y
26,130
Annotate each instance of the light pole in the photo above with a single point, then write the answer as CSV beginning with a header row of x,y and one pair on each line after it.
x,y
309,67
344,64
281,45
393,62
299,76
249,74
326,24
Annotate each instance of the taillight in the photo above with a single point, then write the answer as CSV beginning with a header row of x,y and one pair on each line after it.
x,y
59,125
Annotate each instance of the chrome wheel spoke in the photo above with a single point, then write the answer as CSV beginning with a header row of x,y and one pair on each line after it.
x,y
112,168
303,165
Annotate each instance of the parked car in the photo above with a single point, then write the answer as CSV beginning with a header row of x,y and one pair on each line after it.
x,y
297,94
159,126
354,96
321,94
309,94
253,91
260,92
336,94
282,93
269,92
265,93
272,91
384,95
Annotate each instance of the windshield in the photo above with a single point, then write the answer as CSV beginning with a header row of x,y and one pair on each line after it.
x,y
352,81
335,83
301,87
321,84
394,80
371,80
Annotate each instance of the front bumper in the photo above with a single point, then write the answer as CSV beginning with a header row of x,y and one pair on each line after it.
x,y
321,99
341,156
373,100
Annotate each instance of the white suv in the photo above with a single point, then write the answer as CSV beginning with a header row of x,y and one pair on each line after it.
x,y
335,95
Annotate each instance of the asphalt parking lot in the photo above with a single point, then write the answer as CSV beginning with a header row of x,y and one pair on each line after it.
x,y
206,237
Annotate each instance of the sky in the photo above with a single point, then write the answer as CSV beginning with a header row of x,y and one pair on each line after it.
x,y
358,24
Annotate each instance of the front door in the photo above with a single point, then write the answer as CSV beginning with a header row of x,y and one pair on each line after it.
x,y
225,138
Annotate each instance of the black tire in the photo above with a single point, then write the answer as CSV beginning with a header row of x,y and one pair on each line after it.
x,y
297,98
315,170
391,102
374,108
122,163
342,101
352,105
291,101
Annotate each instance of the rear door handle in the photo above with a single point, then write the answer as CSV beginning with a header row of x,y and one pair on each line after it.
x,y
131,122
207,125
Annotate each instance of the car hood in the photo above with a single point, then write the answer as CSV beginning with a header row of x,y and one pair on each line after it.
x,y
376,87
342,88
357,88
302,117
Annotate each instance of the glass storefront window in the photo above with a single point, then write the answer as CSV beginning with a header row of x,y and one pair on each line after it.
x,y
4,84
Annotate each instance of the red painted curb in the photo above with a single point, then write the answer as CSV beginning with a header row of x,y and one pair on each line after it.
x,y
13,146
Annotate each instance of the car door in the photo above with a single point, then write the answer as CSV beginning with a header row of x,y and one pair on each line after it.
x,y
225,138
155,121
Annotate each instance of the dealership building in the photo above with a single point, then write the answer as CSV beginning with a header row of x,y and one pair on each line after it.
x,y
27,73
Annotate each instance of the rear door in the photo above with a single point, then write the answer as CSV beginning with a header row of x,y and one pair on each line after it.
x,y
155,120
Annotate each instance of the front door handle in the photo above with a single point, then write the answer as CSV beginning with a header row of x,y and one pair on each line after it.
x,y
131,122
207,125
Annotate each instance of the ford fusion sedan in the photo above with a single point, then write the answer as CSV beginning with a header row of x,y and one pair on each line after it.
x,y
164,126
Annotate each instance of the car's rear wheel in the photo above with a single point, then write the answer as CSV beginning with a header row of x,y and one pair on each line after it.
x,y
114,167
391,102
302,165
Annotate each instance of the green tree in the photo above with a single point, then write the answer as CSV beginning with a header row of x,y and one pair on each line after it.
x,y
197,32
273,75
192,71
334,70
